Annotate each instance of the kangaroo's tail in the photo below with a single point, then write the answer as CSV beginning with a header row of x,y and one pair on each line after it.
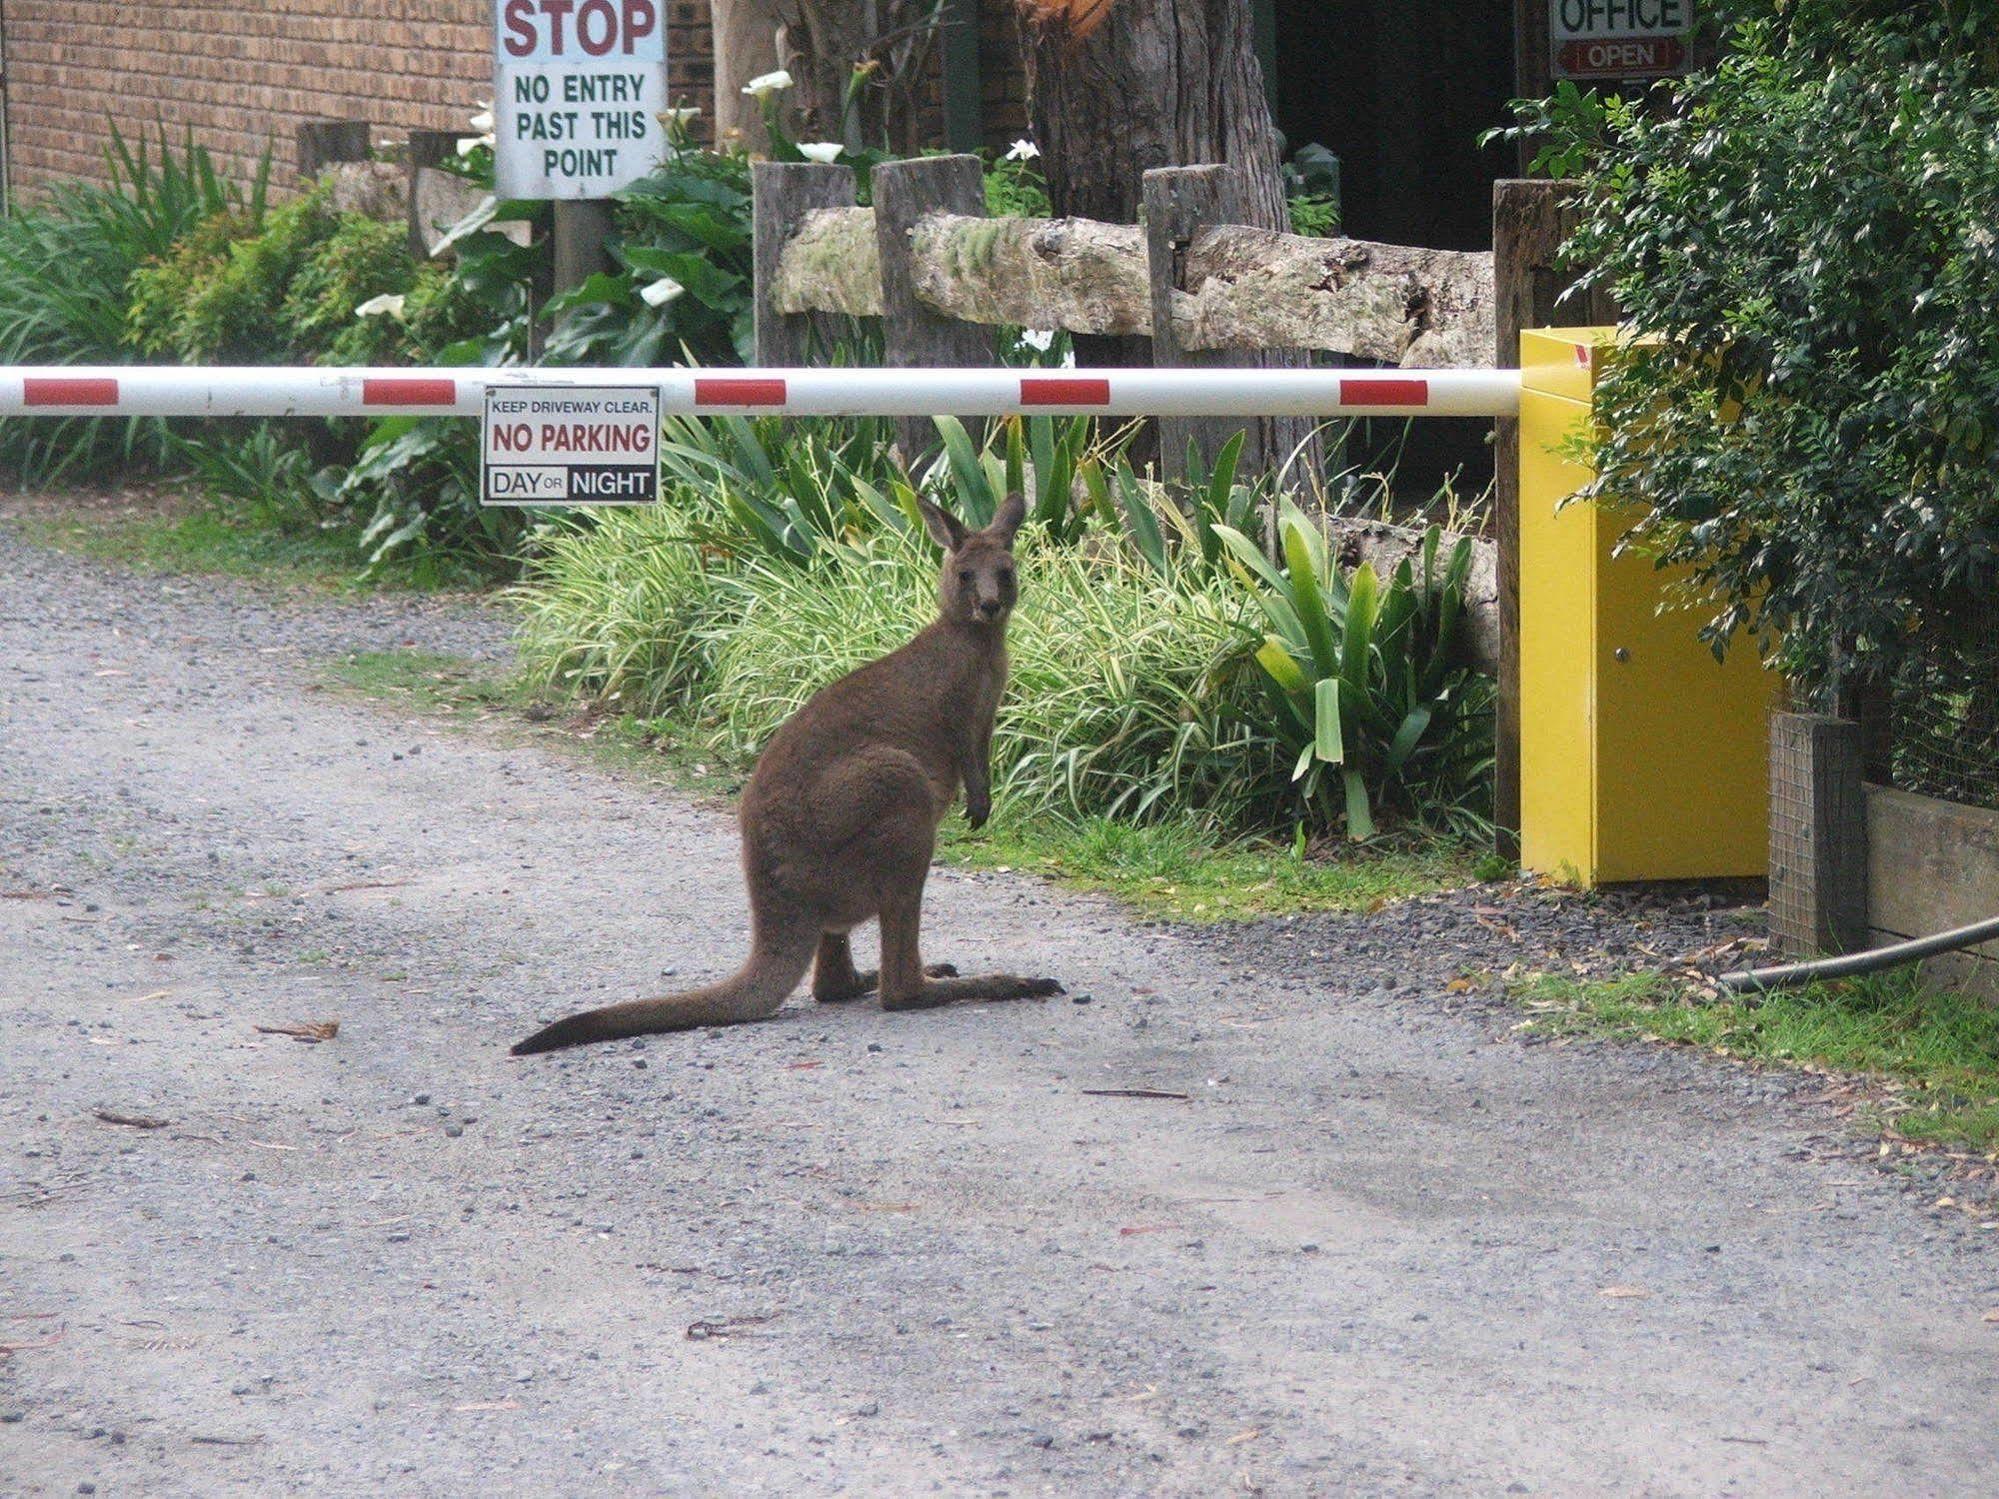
x,y
756,991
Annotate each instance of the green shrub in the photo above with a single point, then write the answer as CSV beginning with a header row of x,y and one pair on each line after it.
x,y
159,290
236,314
1367,681
359,260
1807,235
625,610
64,266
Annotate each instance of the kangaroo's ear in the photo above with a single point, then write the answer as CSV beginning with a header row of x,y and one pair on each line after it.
x,y
945,528
1006,521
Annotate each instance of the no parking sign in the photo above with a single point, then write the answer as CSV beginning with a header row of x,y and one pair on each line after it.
x,y
577,84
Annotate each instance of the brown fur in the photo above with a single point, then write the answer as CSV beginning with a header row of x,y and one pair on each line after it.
x,y
840,816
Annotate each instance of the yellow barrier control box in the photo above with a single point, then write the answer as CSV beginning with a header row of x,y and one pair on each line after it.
x,y
1641,756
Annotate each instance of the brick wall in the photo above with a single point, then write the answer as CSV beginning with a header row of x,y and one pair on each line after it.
x,y
248,75
244,77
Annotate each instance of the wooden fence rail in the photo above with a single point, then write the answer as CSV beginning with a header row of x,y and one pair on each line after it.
x,y
1231,287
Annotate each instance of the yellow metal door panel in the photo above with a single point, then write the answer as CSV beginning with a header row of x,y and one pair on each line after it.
x,y
1682,741
1641,757
1558,555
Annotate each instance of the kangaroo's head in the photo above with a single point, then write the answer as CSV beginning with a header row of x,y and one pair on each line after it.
x,y
977,584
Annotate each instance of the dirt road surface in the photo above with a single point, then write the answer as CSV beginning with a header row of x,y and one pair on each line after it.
x,y
1381,1246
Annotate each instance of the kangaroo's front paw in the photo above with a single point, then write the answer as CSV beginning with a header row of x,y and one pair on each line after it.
x,y
940,971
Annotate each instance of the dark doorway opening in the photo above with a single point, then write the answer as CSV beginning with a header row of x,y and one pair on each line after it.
x,y
1400,93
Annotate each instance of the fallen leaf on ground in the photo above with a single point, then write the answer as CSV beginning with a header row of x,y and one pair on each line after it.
x,y
132,1121
7,1350
305,1030
725,1327
1623,1293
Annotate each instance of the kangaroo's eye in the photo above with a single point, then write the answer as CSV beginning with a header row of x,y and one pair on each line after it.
x,y
964,575
1006,579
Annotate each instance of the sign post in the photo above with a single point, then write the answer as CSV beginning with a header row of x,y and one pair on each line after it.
x,y
577,88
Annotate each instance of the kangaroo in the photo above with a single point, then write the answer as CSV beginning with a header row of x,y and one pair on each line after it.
x,y
840,815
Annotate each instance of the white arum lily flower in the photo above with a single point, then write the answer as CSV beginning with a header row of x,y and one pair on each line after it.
x,y
1038,338
1022,150
825,151
467,144
483,121
677,116
387,303
768,83
660,292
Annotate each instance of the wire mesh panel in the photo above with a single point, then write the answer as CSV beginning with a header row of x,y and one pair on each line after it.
x,y
1818,849
1944,715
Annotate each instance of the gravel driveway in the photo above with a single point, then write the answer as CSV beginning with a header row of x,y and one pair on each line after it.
x,y
1379,1245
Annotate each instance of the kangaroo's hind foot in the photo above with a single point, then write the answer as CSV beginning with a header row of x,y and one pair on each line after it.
x,y
835,980
934,993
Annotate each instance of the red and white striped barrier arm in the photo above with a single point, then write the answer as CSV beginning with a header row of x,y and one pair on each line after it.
x,y
139,390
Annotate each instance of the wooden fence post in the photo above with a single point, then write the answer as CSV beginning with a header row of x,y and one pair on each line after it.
x,y
914,336
1818,835
784,192
1179,203
1529,221
426,148
323,142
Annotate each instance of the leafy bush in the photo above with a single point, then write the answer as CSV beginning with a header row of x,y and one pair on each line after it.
x,y
1367,679
1129,695
1806,237
778,564
685,226
263,472
1312,190
64,266
232,312
625,610
359,260
283,290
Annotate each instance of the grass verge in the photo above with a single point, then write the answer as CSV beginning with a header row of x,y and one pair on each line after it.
x,y
160,534
1173,870
1933,1056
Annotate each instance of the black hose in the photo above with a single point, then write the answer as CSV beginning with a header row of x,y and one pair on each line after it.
x,y
1852,965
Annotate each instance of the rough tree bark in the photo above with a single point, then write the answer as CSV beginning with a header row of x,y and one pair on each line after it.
x,y
1240,288
745,48
1118,87
824,41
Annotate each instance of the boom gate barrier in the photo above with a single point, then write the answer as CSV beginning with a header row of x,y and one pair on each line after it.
x,y
1636,766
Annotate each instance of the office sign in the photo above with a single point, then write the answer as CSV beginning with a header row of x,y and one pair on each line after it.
x,y
1598,40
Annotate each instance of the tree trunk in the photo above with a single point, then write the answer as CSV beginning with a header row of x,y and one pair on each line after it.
x,y
825,41
745,48
1151,83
